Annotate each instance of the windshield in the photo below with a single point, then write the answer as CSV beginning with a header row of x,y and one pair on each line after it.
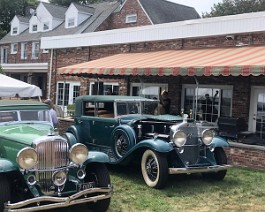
x,y
24,115
144,107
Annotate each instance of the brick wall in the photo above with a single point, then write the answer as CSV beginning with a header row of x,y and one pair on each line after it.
x,y
130,7
16,58
246,155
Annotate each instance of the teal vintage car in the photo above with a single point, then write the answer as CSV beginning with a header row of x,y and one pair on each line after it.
x,y
41,170
128,129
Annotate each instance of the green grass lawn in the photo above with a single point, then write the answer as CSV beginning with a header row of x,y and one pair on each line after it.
x,y
241,190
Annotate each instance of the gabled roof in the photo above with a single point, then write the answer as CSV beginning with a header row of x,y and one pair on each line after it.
x,y
163,11
84,9
101,12
55,11
23,19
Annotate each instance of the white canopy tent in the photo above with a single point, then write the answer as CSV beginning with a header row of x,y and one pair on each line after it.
x,y
10,87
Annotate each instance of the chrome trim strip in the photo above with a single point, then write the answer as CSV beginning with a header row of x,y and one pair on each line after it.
x,y
58,202
215,168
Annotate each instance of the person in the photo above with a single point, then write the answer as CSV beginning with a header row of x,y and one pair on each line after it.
x,y
209,111
165,103
52,113
109,91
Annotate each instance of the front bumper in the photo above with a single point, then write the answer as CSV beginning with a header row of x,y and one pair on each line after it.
x,y
47,202
215,168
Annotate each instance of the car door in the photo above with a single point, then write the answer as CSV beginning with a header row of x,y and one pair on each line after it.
x,y
101,129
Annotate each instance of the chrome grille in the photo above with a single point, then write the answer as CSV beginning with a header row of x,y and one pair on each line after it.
x,y
52,154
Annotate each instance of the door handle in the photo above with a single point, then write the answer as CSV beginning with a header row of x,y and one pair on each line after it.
x,y
111,126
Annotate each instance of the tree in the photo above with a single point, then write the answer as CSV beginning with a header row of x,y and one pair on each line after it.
x,y
8,9
233,7
68,2
1,70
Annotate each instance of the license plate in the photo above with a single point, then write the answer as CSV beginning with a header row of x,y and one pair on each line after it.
x,y
85,186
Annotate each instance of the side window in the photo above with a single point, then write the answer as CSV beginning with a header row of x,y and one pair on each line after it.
x,y
8,116
88,109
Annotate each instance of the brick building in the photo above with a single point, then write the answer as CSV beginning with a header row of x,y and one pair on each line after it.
x,y
232,46
22,58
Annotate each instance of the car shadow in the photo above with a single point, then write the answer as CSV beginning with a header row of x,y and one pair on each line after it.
x,y
181,182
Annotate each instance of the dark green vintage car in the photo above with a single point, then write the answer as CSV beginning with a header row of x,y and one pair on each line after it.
x,y
41,170
128,130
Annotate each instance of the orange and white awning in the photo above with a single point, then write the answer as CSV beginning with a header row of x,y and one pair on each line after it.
x,y
234,61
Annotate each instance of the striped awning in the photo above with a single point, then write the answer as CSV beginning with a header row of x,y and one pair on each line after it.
x,y
234,61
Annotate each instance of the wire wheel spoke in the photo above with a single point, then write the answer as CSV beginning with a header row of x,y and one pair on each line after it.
x,y
152,168
121,145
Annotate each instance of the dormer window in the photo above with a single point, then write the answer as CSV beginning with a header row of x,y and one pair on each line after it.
x,y
45,26
71,22
131,18
13,48
34,28
14,30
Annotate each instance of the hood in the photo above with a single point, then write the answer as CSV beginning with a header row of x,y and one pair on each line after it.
x,y
166,117
25,132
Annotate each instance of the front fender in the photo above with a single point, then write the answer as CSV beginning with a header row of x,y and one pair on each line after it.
x,y
70,138
75,131
99,157
6,166
220,142
154,144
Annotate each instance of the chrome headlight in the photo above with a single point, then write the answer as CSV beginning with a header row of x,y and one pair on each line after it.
x,y
78,153
207,137
59,178
179,138
27,158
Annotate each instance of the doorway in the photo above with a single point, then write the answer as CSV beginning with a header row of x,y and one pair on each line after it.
x,y
257,111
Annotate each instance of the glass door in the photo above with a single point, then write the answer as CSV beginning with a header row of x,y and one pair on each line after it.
x,y
257,112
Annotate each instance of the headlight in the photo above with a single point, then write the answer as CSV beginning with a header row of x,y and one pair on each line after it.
x,y
27,158
179,138
78,153
207,137
59,178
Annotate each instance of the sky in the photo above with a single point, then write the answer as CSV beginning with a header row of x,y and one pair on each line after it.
x,y
199,5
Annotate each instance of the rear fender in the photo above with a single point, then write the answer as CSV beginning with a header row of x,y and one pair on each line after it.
x,y
7,166
220,142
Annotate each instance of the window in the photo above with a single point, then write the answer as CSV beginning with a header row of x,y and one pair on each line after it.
x,y
14,30
148,90
131,18
14,48
34,28
103,88
35,50
71,22
24,51
45,26
211,102
4,53
67,92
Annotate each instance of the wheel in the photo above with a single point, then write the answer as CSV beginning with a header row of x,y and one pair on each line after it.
x,y
5,194
154,169
121,143
221,159
99,175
